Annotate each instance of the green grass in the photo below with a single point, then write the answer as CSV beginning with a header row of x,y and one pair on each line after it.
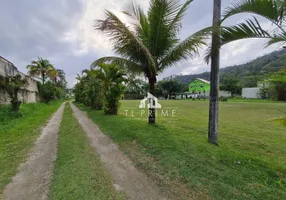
x,y
78,172
249,163
251,100
17,135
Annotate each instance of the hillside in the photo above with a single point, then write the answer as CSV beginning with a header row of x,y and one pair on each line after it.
x,y
248,73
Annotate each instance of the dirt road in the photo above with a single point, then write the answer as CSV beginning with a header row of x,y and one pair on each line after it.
x,y
33,177
125,176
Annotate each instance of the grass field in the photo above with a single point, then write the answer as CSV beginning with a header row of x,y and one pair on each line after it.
x,y
18,134
249,163
78,172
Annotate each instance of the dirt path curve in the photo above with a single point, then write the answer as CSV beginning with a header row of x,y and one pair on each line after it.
x,y
126,177
33,179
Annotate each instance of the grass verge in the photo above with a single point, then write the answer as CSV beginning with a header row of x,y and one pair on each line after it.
x,y
249,164
17,135
78,172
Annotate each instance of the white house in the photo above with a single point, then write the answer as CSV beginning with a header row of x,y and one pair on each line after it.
x,y
251,93
28,94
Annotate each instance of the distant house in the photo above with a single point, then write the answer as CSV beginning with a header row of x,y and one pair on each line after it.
x,y
199,86
255,92
200,89
251,93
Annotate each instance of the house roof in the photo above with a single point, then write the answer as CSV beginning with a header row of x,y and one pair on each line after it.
x,y
7,61
202,80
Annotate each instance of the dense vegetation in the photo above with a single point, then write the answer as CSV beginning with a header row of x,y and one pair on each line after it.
x,y
101,88
249,73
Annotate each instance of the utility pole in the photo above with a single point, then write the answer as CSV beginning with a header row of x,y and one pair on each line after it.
x,y
215,63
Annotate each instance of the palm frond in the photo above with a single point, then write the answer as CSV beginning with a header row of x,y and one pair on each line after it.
x,y
162,37
33,70
34,62
78,77
134,11
89,73
61,74
141,20
277,38
176,22
186,49
268,9
248,29
126,43
244,30
129,66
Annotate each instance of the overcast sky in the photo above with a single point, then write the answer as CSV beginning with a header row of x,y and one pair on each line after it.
x,y
62,31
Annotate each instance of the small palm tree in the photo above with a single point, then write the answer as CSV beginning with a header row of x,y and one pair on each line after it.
x,y
112,78
152,43
93,91
12,85
41,68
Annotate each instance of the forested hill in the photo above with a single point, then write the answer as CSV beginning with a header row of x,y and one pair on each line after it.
x,y
248,73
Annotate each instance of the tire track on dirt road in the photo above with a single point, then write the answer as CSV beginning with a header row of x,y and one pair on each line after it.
x,y
125,176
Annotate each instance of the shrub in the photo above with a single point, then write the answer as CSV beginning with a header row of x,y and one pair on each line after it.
x,y
112,99
224,99
12,85
49,91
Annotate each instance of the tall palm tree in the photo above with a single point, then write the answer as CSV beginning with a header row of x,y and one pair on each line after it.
x,y
151,43
214,78
40,68
272,10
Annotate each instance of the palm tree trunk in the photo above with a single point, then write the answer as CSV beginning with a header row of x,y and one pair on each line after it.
x,y
215,62
43,78
152,111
